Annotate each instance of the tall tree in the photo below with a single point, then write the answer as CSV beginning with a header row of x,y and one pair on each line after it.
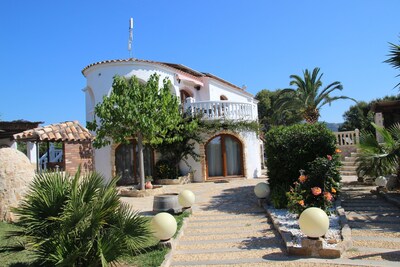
x,y
394,57
138,111
269,115
308,98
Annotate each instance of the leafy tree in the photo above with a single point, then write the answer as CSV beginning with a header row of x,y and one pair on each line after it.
x,y
359,116
143,112
307,98
394,57
79,221
269,115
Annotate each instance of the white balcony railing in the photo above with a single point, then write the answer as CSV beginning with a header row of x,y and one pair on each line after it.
x,y
216,110
349,138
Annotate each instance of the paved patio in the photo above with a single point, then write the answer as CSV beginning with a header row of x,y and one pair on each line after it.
x,y
228,228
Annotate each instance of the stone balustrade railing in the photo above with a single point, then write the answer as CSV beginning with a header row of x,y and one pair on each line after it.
x,y
214,110
348,138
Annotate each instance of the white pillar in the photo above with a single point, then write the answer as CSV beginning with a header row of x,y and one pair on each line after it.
x,y
14,144
379,121
31,151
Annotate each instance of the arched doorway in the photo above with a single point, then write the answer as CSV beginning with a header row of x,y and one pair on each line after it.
x,y
127,162
224,156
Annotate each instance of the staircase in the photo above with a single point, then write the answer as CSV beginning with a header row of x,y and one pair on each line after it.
x,y
349,165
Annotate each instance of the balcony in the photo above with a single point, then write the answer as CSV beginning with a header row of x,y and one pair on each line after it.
x,y
222,110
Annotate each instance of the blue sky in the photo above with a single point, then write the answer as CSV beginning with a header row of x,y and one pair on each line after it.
x,y
45,45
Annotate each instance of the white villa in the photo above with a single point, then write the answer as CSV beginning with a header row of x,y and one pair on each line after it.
x,y
223,155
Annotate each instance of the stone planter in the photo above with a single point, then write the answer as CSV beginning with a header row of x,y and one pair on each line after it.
x,y
166,203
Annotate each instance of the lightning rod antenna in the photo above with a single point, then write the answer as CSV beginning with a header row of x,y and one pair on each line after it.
x,y
130,37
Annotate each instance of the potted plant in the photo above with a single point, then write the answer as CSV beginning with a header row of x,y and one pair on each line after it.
x,y
148,184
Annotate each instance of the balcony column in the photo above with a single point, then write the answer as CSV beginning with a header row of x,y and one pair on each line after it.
x,y
31,151
378,118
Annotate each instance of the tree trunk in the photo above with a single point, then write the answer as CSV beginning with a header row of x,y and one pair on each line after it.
x,y
141,161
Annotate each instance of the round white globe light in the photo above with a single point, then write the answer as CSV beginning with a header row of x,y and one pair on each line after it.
x,y
314,222
262,190
163,225
381,181
186,198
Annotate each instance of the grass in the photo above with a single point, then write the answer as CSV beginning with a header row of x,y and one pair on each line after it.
x,y
14,254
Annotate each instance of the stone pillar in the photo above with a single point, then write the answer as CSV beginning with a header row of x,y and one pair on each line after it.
x,y
31,152
14,144
379,121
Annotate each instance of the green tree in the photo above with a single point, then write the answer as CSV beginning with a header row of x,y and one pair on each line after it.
x,y
79,221
143,112
308,98
394,57
359,116
269,115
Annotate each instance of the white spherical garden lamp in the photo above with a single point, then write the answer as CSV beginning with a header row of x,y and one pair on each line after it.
x,y
186,198
314,222
262,190
381,181
163,226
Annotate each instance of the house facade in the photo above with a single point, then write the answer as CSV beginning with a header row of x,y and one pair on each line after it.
x,y
225,154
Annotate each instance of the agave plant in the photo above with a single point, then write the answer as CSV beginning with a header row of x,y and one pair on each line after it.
x,y
379,158
79,221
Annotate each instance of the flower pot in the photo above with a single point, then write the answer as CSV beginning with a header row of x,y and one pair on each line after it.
x,y
148,185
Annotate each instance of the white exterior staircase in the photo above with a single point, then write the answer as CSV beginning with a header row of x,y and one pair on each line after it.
x,y
349,165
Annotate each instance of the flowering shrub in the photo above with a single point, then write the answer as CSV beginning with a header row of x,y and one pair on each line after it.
x,y
317,189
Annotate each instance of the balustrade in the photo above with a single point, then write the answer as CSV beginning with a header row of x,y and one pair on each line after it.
x,y
348,138
213,110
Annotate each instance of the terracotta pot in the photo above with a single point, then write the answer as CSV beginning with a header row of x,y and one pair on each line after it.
x,y
148,185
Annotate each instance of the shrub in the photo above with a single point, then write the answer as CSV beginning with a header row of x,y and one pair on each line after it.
x,y
290,149
317,189
165,169
73,221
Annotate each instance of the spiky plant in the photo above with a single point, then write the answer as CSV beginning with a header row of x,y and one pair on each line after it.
x,y
308,98
79,221
379,158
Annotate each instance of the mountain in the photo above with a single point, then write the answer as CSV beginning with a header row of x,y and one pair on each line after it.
x,y
333,126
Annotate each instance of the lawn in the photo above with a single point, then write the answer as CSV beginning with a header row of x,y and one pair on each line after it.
x,y
14,254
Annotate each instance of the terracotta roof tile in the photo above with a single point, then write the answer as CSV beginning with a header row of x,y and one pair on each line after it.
x,y
68,131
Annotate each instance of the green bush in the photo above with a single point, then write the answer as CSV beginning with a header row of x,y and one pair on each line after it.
x,y
79,221
165,169
290,149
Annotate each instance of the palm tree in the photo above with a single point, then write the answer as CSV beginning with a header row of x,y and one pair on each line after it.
x,y
379,158
394,58
79,221
307,96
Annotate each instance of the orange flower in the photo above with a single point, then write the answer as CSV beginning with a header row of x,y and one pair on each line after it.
x,y
338,150
302,178
301,202
316,191
328,196
333,190
329,157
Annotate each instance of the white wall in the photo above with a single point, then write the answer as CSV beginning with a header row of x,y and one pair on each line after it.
x,y
253,154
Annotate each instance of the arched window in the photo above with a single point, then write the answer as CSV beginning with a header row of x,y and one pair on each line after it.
x,y
224,156
127,162
222,97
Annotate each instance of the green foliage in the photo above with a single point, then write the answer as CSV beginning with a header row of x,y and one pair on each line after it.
x,y
317,189
394,57
214,126
165,169
379,158
144,112
307,98
189,133
291,148
360,116
269,115
79,221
